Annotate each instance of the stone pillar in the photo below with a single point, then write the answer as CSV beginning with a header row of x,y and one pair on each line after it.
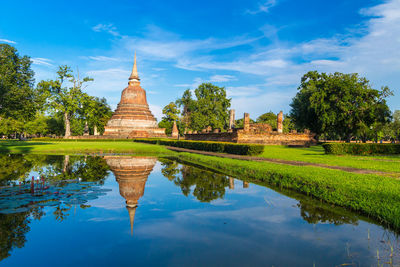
x,y
246,122
231,119
231,183
95,132
86,130
245,184
175,132
280,122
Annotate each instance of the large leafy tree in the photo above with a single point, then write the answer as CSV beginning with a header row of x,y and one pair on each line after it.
x,y
96,112
338,104
17,99
209,108
64,94
171,114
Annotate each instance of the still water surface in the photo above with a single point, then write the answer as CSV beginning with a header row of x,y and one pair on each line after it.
x,y
118,210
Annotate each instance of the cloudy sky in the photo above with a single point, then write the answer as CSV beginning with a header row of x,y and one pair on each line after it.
x,y
257,49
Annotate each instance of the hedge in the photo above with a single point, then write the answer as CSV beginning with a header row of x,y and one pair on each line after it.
x,y
220,147
361,149
79,140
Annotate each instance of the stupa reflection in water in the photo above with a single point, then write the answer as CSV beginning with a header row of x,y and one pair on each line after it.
x,y
131,174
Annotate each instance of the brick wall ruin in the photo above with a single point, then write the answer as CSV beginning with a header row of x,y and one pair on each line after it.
x,y
257,133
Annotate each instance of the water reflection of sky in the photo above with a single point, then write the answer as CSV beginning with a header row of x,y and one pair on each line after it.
x,y
248,226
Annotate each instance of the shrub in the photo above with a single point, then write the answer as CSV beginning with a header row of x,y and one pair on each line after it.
x,y
219,147
79,140
361,149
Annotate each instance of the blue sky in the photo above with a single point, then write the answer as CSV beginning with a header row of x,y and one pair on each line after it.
x,y
258,50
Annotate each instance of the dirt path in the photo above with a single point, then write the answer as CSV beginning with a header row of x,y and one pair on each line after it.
x,y
287,162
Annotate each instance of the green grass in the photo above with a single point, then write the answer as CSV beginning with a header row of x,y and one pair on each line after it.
x,y
372,195
315,154
54,147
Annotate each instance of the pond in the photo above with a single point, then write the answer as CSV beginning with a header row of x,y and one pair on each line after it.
x,y
120,210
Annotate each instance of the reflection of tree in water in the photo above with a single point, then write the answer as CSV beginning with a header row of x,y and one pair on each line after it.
x,y
317,212
88,169
14,227
170,169
208,185
17,167
12,167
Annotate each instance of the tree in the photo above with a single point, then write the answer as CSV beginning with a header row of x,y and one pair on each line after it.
x,y
338,104
187,104
171,114
16,85
96,112
269,118
38,126
210,108
10,126
61,98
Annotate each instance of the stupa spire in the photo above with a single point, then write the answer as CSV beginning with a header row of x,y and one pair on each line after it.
x,y
131,211
134,75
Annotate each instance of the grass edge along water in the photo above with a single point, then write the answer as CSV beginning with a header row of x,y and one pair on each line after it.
x,y
370,195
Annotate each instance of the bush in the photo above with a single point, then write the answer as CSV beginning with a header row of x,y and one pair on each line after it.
x,y
219,147
78,140
361,149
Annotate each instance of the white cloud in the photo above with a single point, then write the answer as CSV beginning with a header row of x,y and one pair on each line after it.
x,y
222,78
7,41
109,28
196,82
243,91
42,61
103,58
263,7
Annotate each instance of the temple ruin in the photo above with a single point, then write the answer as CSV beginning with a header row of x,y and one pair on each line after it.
x,y
258,133
133,118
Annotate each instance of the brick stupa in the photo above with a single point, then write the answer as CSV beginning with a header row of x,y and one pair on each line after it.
x,y
133,118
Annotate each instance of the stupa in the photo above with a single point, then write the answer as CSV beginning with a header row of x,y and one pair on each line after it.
x,y
133,118
131,174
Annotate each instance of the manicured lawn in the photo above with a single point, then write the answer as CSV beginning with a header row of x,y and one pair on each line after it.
x,y
372,195
315,154
53,147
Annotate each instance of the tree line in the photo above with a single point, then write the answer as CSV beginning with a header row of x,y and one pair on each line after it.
x,y
333,106
52,107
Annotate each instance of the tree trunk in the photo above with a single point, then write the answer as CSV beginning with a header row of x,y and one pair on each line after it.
x,y
67,124
66,163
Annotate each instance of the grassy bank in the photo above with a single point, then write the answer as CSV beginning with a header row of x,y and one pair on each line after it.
x,y
54,147
374,196
316,154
